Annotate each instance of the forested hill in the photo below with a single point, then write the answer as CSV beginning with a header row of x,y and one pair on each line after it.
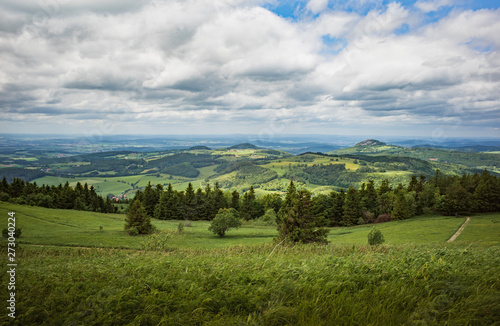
x,y
238,167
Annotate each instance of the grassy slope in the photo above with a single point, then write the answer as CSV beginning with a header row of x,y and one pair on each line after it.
x,y
244,280
75,228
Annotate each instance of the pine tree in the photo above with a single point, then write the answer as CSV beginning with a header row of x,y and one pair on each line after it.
x,y
248,209
200,205
189,204
352,208
401,210
218,199
295,221
150,199
4,185
456,199
137,220
168,207
369,199
335,213
235,200
487,193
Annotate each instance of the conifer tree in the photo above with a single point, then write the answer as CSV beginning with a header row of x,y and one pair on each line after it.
x,y
150,199
168,207
370,199
487,194
352,208
401,211
295,221
235,200
137,220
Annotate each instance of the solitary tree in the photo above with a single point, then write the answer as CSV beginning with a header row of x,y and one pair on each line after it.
x,y
137,220
225,219
295,221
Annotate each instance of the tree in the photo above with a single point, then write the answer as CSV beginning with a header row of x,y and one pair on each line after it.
x,y
487,193
150,199
249,209
168,207
137,220
225,219
352,208
375,237
369,199
456,199
295,221
189,203
235,200
269,218
401,211
335,212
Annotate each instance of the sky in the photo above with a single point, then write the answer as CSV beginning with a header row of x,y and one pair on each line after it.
x,y
423,68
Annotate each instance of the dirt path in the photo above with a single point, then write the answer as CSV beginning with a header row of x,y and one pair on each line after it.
x,y
459,230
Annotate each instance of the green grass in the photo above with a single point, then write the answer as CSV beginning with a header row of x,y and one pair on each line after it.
x,y
44,226
301,285
483,229
415,278
421,229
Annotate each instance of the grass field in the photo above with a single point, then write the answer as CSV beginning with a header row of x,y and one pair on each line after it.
x,y
415,278
43,226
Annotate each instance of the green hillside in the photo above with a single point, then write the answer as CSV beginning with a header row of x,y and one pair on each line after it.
x,y
43,226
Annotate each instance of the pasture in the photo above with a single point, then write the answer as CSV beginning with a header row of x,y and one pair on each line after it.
x,y
71,272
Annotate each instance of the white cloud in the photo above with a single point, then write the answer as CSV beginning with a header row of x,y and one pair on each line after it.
x,y
235,64
432,5
316,6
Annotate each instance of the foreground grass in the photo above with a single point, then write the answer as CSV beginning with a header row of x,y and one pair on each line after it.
x,y
247,285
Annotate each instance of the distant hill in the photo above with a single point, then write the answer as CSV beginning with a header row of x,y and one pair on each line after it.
x,y
244,146
370,142
194,148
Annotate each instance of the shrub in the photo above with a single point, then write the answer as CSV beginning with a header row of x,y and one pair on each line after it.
x,y
382,218
375,237
156,241
224,220
269,218
180,227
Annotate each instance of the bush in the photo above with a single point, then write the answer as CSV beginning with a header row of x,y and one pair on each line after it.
x,y
382,218
269,218
156,241
180,227
375,237
224,220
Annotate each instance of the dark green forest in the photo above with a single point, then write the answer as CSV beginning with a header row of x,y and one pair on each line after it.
x,y
439,193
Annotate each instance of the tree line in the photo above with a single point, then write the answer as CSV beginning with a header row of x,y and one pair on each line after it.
x,y
80,197
444,194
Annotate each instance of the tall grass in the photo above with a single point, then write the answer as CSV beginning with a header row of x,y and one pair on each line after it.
x,y
300,285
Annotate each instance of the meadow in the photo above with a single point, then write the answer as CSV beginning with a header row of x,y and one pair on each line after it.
x,y
73,272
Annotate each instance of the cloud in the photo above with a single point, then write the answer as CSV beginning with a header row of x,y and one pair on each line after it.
x,y
316,6
432,5
238,66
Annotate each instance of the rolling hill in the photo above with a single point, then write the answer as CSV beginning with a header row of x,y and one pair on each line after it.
x,y
244,165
